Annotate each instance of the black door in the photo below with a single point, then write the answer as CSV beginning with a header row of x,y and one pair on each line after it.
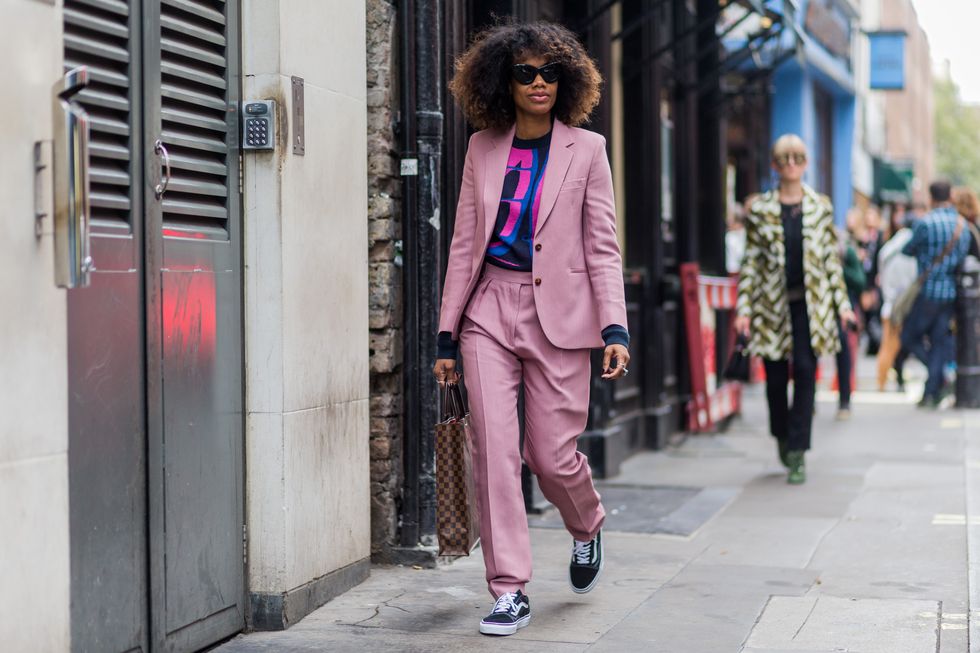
x,y
155,348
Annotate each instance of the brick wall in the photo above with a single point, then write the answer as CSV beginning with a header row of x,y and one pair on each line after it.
x,y
385,279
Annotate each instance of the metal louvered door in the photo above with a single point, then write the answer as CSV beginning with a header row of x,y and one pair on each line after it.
x,y
194,321
155,343
106,408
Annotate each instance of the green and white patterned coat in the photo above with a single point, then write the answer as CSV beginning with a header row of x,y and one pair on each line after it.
x,y
762,280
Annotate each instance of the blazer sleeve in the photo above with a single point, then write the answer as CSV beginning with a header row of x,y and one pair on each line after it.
x,y
602,257
460,257
748,275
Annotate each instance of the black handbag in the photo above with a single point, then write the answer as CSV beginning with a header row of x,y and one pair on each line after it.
x,y
739,364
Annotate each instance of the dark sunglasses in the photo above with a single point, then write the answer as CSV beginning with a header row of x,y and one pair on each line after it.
x,y
782,160
525,73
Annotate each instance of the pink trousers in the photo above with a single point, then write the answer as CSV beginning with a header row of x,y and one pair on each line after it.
x,y
502,345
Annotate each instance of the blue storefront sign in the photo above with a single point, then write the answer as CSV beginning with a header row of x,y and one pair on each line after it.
x,y
887,60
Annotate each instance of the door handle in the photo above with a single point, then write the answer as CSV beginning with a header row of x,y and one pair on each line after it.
x,y
70,182
160,149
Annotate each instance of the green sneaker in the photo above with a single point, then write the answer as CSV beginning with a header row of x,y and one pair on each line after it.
x,y
783,450
797,468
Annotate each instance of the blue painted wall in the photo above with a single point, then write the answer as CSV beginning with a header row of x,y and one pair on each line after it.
x,y
843,144
794,111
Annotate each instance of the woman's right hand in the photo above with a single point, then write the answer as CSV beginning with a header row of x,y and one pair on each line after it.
x,y
742,325
445,369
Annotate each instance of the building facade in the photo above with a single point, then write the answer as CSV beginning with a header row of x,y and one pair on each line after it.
x,y
909,113
179,457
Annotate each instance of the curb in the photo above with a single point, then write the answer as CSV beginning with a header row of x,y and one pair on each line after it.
x,y
971,468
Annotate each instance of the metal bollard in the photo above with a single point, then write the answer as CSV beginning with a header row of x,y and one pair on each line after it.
x,y
968,336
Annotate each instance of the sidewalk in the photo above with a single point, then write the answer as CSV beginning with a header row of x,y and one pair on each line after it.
x,y
871,555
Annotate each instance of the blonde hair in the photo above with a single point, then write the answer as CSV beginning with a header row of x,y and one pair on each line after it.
x,y
788,143
966,202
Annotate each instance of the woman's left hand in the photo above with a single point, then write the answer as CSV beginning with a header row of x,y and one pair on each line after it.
x,y
622,356
848,318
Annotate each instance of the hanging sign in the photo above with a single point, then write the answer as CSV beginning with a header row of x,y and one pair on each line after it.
x,y
887,60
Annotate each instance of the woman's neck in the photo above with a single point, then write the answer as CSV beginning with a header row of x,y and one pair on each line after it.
x,y
531,126
790,192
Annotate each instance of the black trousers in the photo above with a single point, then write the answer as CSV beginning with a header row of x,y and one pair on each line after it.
x,y
844,368
793,424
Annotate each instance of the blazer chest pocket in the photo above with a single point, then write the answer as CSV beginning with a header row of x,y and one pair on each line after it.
x,y
573,184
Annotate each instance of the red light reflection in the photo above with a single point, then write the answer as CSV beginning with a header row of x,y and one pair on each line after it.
x,y
189,316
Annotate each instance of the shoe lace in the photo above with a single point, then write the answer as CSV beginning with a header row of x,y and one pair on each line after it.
x,y
582,552
506,603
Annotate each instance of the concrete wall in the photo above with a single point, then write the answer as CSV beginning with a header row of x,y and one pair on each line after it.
x,y
306,312
34,556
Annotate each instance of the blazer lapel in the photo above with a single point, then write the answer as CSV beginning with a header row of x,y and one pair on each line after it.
x,y
771,217
811,213
495,162
559,158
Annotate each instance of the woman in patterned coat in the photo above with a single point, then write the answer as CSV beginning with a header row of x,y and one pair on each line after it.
x,y
791,295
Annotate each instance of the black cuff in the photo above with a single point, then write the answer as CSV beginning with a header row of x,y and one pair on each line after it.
x,y
446,347
615,334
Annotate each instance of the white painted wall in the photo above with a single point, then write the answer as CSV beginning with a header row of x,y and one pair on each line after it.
x,y
306,297
34,555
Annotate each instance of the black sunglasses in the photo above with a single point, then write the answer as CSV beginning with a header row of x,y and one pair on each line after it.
x,y
782,160
525,73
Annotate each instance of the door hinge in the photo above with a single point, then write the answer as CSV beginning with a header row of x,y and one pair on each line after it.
x,y
244,544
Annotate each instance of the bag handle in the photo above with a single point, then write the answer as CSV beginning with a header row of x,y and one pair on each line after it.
x,y
454,407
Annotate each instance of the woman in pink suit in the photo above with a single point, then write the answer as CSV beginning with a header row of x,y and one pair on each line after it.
x,y
534,281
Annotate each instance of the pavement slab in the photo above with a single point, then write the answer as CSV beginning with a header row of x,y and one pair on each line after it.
x,y
830,623
706,608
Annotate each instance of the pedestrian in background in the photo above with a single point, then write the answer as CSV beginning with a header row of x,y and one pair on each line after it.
x,y
855,281
791,295
939,243
897,218
735,239
534,281
896,272
870,296
968,206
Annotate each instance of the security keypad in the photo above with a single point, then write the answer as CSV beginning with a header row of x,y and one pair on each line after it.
x,y
259,125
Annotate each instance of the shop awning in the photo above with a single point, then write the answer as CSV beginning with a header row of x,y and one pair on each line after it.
x,y
893,180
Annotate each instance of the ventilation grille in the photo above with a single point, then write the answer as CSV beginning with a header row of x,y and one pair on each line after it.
x,y
195,112
97,35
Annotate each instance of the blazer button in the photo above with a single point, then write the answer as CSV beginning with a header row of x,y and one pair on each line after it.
x,y
537,248
537,282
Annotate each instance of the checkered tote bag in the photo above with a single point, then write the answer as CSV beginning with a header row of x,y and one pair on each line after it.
x,y
457,523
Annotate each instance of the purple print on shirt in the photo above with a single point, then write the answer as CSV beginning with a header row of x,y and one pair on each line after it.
x,y
517,214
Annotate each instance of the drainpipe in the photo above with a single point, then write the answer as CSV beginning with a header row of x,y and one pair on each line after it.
x,y
409,531
422,139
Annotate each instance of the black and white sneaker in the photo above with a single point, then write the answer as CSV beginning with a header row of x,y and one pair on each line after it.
x,y
511,611
586,565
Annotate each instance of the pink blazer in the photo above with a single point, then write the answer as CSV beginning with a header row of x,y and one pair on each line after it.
x,y
576,255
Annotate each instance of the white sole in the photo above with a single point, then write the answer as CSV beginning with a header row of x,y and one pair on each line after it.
x,y
504,629
595,580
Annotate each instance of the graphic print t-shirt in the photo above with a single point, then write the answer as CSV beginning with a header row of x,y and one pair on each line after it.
x,y
511,243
